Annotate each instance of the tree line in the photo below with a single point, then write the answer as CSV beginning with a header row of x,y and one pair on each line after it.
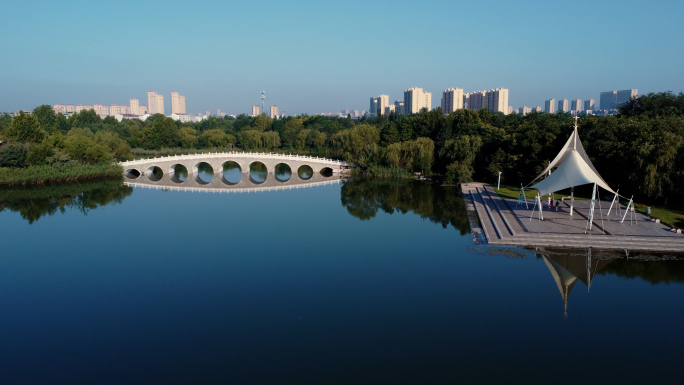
x,y
641,149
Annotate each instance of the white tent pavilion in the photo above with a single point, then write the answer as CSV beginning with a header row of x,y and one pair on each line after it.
x,y
573,168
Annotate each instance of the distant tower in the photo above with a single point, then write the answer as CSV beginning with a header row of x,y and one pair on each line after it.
x,y
263,97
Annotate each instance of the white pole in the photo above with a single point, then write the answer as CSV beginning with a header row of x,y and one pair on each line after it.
x,y
498,184
572,200
626,211
611,203
591,208
524,197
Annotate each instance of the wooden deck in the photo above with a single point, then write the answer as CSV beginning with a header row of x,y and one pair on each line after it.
x,y
505,222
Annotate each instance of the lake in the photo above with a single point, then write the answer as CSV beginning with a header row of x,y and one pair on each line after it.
x,y
364,282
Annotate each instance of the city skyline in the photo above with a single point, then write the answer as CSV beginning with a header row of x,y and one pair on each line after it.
x,y
221,67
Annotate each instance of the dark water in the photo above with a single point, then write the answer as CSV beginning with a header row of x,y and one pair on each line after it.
x,y
366,282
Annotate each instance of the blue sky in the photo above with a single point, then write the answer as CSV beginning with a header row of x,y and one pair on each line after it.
x,y
318,56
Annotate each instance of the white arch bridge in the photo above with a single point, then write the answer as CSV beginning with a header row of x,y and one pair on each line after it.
x,y
164,171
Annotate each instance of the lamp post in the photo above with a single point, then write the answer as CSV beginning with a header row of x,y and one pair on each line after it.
x,y
498,183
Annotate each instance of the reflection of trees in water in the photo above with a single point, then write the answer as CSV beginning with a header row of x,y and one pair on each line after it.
x,y
650,271
305,172
444,205
32,203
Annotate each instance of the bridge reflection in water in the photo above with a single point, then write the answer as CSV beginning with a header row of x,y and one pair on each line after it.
x,y
271,184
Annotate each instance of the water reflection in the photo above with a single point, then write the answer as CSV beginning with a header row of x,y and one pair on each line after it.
x,y
305,172
568,267
283,172
205,173
180,173
258,172
32,203
363,197
232,173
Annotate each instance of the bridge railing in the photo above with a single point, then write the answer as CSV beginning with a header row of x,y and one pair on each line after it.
x,y
232,153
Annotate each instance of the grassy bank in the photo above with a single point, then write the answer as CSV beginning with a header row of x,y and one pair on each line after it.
x,y
57,173
671,216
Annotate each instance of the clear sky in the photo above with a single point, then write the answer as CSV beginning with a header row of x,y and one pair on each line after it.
x,y
322,56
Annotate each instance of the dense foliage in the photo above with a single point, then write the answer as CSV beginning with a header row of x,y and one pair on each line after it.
x,y
641,150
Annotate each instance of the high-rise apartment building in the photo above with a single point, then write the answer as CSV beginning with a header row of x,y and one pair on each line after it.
x,y
274,111
625,96
378,104
101,109
497,100
563,105
589,105
415,99
550,106
399,107
613,99
389,110
155,102
608,100
142,110
475,100
177,103
255,110
576,105
452,100
135,106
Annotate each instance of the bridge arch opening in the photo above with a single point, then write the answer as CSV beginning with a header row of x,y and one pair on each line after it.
x,y
283,172
132,174
154,174
327,172
232,173
178,173
258,173
305,172
203,173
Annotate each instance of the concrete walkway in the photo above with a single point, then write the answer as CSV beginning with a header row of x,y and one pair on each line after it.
x,y
506,222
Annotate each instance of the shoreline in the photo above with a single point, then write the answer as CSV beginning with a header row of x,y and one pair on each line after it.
x,y
44,175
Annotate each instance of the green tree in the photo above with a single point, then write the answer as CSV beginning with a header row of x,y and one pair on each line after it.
x,y
39,153
85,118
62,124
216,137
116,147
359,144
46,118
262,122
461,152
76,145
187,136
25,128
13,154
163,132
98,153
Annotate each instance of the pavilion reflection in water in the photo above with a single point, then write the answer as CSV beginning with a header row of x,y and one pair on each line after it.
x,y
567,268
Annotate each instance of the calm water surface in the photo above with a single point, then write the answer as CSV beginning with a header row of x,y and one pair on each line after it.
x,y
363,282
